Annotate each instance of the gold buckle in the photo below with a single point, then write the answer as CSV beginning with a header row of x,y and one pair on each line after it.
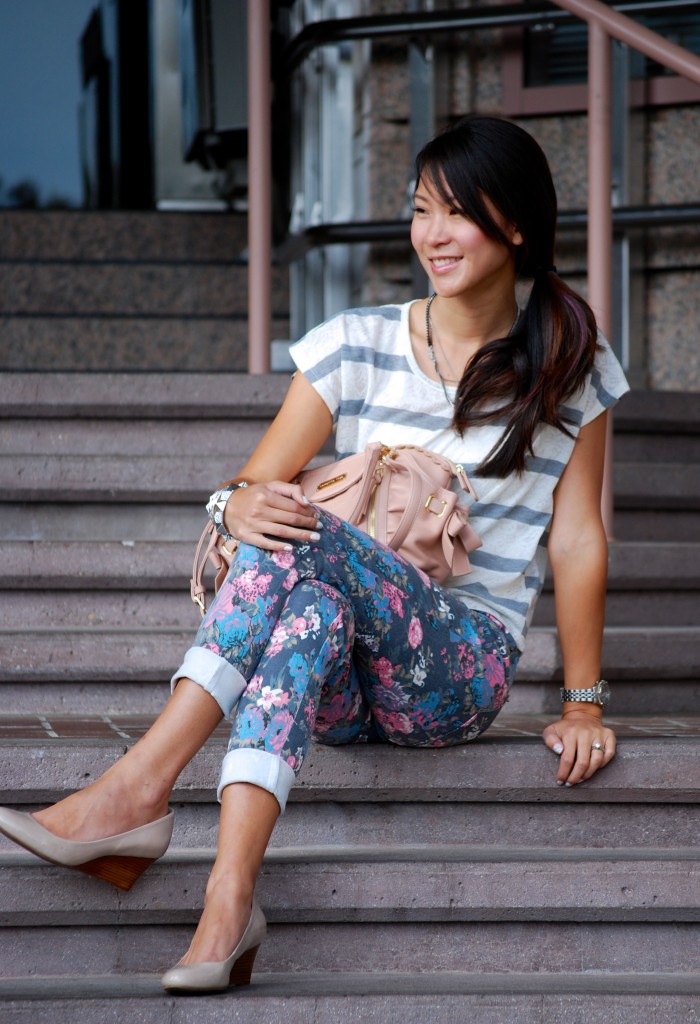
x,y
198,600
434,497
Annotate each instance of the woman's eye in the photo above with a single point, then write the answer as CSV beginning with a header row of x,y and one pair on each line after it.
x,y
417,209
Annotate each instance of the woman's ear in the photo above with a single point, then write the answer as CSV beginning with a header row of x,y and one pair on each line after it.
x,y
516,238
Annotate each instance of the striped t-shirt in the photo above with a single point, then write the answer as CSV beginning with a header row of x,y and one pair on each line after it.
x,y
361,363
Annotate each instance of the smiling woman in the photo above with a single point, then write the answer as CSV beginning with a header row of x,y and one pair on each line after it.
x,y
319,631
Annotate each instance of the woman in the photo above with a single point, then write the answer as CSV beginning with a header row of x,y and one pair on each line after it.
x,y
318,629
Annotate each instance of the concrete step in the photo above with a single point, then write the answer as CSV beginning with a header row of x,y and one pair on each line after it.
x,y
506,948
142,396
109,236
654,670
121,289
652,525
363,998
194,344
182,476
155,437
503,766
629,654
407,883
104,565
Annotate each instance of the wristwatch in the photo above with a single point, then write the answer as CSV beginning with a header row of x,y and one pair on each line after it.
x,y
217,504
598,694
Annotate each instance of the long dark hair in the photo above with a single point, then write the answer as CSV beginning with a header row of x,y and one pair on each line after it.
x,y
525,378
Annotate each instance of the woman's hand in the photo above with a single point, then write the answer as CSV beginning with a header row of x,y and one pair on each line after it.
x,y
573,738
271,515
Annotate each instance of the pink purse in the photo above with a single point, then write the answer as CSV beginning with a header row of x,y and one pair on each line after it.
x,y
400,495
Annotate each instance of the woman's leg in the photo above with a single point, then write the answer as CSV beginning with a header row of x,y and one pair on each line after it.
x,y
136,789
248,816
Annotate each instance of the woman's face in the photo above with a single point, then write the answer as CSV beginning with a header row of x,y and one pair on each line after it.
x,y
455,253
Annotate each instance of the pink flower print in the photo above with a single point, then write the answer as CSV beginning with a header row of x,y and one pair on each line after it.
x,y
415,632
278,639
250,585
285,559
393,721
495,677
270,698
292,761
466,657
290,580
395,597
278,731
299,627
385,671
255,683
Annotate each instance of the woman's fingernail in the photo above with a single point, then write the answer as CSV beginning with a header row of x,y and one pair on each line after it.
x,y
315,536
559,782
288,547
558,748
569,784
319,524
305,500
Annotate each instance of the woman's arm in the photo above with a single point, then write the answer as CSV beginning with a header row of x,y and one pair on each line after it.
x,y
270,507
578,555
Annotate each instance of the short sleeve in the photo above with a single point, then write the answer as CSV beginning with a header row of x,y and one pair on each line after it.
x,y
605,386
318,356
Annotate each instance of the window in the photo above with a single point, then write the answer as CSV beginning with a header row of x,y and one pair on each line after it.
x,y
545,66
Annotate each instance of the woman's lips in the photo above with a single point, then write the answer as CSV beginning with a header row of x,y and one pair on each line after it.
x,y
443,264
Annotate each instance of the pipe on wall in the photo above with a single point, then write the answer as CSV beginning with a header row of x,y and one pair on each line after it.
x,y
259,187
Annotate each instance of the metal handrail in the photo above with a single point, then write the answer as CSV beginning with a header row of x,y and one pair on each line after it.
x,y
353,232
514,15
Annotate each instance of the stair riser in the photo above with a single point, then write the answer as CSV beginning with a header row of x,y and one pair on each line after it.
x,y
39,521
486,946
92,235
198,344
250,1007
53,437
587,826
637,697
184,478
156,289
354,891
137,608
641,447
150,656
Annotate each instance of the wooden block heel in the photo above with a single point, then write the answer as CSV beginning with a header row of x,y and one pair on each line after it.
x,y
243,968
121,872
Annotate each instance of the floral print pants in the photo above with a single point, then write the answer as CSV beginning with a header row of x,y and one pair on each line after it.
x,y
343,640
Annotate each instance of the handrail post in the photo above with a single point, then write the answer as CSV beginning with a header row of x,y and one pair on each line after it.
x,y
259,187
600,212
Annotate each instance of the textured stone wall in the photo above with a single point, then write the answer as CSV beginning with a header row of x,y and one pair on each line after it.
x,y
470,71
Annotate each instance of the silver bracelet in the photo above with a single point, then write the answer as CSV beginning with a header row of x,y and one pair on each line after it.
x,y
217,504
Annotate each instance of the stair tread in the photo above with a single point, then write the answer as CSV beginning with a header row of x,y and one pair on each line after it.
x,y
366,983
501,766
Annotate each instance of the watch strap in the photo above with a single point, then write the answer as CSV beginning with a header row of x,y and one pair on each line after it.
x,y
217,504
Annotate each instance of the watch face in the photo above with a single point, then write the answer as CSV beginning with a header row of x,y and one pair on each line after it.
x,y
603,692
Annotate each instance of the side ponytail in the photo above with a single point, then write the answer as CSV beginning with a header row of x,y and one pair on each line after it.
x,y
522,380
526,378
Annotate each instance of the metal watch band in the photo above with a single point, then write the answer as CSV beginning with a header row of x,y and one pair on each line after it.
x,y
217,504
598,694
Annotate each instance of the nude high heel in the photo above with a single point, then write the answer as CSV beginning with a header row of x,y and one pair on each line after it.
x,y
119,859
216,976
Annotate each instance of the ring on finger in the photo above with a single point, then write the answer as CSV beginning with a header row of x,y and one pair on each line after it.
x,y
597,746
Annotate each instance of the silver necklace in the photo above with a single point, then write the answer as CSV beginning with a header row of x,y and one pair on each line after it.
x,y
431,349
